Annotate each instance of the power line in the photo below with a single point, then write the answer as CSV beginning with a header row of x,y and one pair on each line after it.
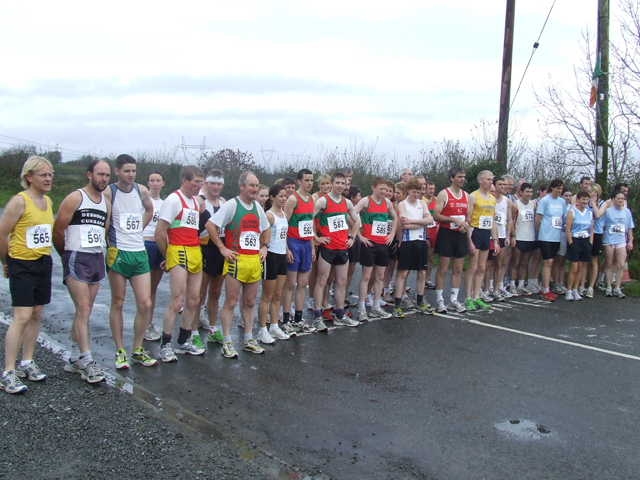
x,y
536,44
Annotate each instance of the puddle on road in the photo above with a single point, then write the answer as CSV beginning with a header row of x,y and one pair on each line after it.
x,y
522,429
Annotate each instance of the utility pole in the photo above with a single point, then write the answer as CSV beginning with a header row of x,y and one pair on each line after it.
x,y
505,90
602,102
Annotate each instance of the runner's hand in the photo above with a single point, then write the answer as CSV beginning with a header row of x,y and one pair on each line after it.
x,y
263,252
228,254
290,256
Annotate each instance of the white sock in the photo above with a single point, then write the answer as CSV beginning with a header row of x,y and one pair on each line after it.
x,y
439,295
25,363
247,337
362,306
85,358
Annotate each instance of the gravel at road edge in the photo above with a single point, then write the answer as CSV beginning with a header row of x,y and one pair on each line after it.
x,y
66,428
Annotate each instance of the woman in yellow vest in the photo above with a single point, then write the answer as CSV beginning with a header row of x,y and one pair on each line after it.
x,y
25,251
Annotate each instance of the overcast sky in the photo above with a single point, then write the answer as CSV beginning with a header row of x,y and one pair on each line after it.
x,y
290,77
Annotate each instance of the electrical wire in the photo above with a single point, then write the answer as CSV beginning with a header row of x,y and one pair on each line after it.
x,y
536,44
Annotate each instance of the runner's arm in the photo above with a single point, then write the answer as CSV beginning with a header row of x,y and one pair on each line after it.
x,y
65,213
12,213
147,204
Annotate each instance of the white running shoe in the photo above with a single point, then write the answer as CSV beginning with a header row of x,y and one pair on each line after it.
x,y
617,292
576,295
276,332
380,313
441,307
589,292
458,307
188,348
264,336
569,296
151,334
345,321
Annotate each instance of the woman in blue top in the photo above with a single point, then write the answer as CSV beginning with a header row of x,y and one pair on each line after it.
x,y
579,235
617,238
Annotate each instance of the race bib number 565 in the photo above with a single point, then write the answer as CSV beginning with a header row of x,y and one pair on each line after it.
x,y
39,236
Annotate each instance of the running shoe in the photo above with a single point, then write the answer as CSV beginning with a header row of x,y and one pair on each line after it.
x,y
549,296
167,355
582,291
534,289
608,292
505,293
470,304
441,307
398,312
576,295
252,346
457,306
289,329
228,351
10,383
569,296
308,327
602,286
151,334
215,337
559,289
276,332
122,362
142,357
499,296
319,325
589,292
486,296
31,372
264,336
380,313
345,321
90,372
188,348
196,341
363,316
617,292
425,309
524,291
480,303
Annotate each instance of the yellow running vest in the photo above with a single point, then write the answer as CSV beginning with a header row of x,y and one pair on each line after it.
x,y
484,210
32,236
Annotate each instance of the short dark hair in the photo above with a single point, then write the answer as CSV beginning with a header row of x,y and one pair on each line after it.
x,y
354,191
189,172
455,171
302,172
582,194
287,181
335,175
556,182
123,159
525,185
586,177
155,172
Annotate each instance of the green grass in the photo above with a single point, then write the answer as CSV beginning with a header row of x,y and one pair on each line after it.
x,y
632,288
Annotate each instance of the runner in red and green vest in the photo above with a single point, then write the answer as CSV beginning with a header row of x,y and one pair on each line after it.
x,y
338,223
247,233
300,252
376,214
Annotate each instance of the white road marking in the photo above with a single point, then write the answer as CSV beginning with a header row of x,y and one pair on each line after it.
x,y
556,340
531,304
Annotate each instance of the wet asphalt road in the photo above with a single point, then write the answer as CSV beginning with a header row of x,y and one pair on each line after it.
x,y
423,397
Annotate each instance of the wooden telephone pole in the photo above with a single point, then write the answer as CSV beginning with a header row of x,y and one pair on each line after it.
x,y
505,90
602,101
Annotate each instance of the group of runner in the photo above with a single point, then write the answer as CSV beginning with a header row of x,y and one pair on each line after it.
x,y
300,246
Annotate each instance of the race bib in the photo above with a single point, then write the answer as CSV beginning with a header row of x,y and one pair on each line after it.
x,y
337,223
189,218
500,219
457,221
156,217
527,215
283,233
617,228
39,236
250,241
556,222
131,222
581,235
91,236
379,229
305,228
485,222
